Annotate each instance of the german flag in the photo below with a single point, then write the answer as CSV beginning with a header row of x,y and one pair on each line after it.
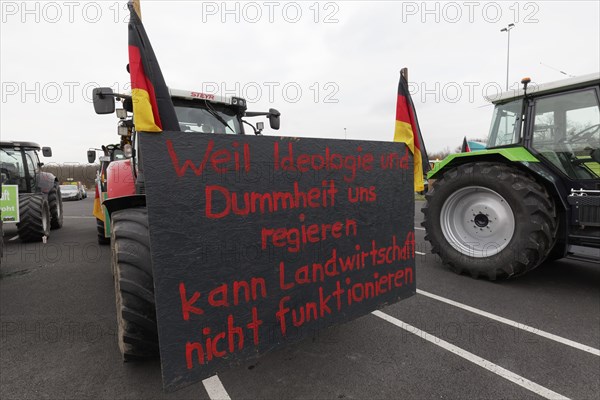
x,y
465,146
407,131
98,213
153,109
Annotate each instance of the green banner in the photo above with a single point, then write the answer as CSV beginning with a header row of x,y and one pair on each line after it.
x,y
9,203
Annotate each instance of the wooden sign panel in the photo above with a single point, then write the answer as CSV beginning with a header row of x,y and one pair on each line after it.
x,y
260,241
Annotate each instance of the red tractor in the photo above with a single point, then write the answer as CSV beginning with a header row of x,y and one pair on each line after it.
x,y
111,152
125,204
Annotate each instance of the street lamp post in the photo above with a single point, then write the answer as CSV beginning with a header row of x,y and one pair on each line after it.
x,y
507,29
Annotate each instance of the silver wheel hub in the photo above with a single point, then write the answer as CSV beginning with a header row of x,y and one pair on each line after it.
x,y
477,221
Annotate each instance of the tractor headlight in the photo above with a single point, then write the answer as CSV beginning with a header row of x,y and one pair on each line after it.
x,y
238,102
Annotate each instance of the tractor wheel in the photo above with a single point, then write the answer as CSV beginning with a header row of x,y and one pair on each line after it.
x,y
134,284
56,207
490,220
34,217
100,228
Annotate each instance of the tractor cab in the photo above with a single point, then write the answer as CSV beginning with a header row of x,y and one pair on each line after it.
x,y
20,165
196,112
558,123
120,179
207,113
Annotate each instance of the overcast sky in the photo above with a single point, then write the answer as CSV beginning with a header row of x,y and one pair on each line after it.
x,y
331,68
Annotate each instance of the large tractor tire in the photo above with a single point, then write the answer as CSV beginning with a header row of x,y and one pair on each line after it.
x,y
134,285
56,207
34,217
100,229
490,220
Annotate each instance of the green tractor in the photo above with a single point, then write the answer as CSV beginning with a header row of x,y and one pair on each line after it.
x,y
532,195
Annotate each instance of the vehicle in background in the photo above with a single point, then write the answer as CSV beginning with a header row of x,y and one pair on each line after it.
x,y
70,192
532,195
111,152
30,198
80,187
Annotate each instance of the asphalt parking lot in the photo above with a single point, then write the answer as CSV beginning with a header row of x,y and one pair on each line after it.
x,y
458,338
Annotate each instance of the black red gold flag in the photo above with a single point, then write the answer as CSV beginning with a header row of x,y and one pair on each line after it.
x,y
153,109
408,131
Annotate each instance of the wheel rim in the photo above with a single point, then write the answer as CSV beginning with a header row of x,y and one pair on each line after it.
x,y
477,221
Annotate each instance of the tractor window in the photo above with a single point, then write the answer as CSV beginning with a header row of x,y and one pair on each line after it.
x,y
12,170
566,131
506,124
32,161
32,167
117,154
200,120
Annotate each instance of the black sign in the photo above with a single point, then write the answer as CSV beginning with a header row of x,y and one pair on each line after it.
x,y
260,241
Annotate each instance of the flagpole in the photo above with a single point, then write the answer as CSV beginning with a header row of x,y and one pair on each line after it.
x,y
137,7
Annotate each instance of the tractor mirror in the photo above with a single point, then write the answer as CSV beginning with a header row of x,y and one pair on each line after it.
x,y
274,120
104,102
47,151
91,154
596,155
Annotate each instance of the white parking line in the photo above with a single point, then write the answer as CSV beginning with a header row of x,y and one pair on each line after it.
x,y
13,238
78,217
490,366
507,321
215,389
419,228
514,324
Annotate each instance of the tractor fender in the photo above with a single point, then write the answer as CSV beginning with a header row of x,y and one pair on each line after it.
x,y
119,179
518,157
123,202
